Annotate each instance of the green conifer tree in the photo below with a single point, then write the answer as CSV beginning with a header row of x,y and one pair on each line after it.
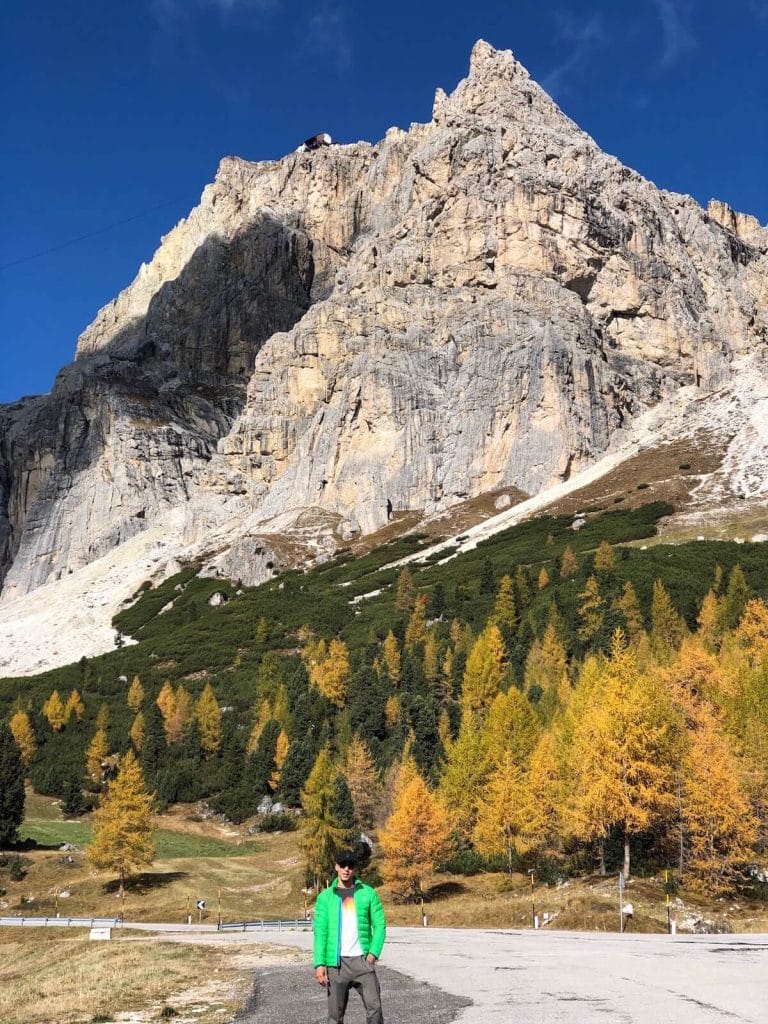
x,y
11,788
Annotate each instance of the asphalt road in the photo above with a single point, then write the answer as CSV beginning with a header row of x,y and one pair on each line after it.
x,y
544,978
290,995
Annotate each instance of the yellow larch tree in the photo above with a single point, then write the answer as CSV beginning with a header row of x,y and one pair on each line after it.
x,y
53,709
416,630
393,711
501,813
24,735
504,609
721,827
629,606
708,621
546,668
102,716
181,715
540,813
604,556
622,754
446,671
543,578
123,824
569,565
405,592
282,710
135,694
753,738
431,659
166,701
413,840
745,705
137,731
391,657
461,636
395,779
485,671
262,714
74,706
281,752
512,727
331,674
695,675
752,631
208,715
465,773
591,610
98,750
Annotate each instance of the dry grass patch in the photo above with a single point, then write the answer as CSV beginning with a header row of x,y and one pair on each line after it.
x,y
588,904
658,472
49,978
262,877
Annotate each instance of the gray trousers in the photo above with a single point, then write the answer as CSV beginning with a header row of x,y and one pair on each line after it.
x,y
354,972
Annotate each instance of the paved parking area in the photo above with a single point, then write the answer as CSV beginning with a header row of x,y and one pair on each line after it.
x,y
557,977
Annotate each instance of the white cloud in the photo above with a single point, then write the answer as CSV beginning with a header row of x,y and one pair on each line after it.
x,y
327,37
581,37
676,37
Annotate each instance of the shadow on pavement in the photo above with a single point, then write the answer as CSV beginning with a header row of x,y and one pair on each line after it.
x,y
290,995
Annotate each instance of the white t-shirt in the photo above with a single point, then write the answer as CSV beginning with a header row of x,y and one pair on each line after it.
x,y
350,943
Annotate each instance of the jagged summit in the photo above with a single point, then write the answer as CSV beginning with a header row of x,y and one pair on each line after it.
x,y
480,303
499,88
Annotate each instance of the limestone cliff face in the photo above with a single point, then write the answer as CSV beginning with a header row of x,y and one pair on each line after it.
x,y
130,425
485,300
509,298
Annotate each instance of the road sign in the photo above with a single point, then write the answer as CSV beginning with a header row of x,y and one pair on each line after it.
x,y
201,904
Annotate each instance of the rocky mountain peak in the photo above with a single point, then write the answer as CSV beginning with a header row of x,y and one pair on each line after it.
x,y
499,90
484,302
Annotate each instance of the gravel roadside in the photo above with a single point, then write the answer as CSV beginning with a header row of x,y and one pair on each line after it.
x,y
288,994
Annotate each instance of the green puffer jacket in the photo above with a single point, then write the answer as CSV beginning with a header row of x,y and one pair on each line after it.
x,y
371,926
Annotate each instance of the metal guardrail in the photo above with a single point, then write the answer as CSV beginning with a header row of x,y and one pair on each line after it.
x,y
61,922
298,924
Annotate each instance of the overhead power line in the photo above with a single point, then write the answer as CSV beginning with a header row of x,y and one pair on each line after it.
x,y
93,234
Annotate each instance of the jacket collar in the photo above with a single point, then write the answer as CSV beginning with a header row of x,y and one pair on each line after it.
x,y
355,883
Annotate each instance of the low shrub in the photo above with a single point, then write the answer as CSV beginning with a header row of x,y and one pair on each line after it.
x,y
278,822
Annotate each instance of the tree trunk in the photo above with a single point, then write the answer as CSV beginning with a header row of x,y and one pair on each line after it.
x,y
626,856
601,854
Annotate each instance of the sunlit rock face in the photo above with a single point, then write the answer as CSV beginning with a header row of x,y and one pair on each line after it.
x,y
486,300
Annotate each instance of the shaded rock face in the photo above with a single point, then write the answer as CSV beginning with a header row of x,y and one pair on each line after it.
x,y
484,301
130,424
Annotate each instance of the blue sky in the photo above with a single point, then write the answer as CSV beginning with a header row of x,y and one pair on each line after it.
x,y
116,113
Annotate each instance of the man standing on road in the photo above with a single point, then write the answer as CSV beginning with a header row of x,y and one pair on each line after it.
x,y
349,933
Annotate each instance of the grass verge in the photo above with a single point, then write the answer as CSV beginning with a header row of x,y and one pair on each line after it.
x,y
47,978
